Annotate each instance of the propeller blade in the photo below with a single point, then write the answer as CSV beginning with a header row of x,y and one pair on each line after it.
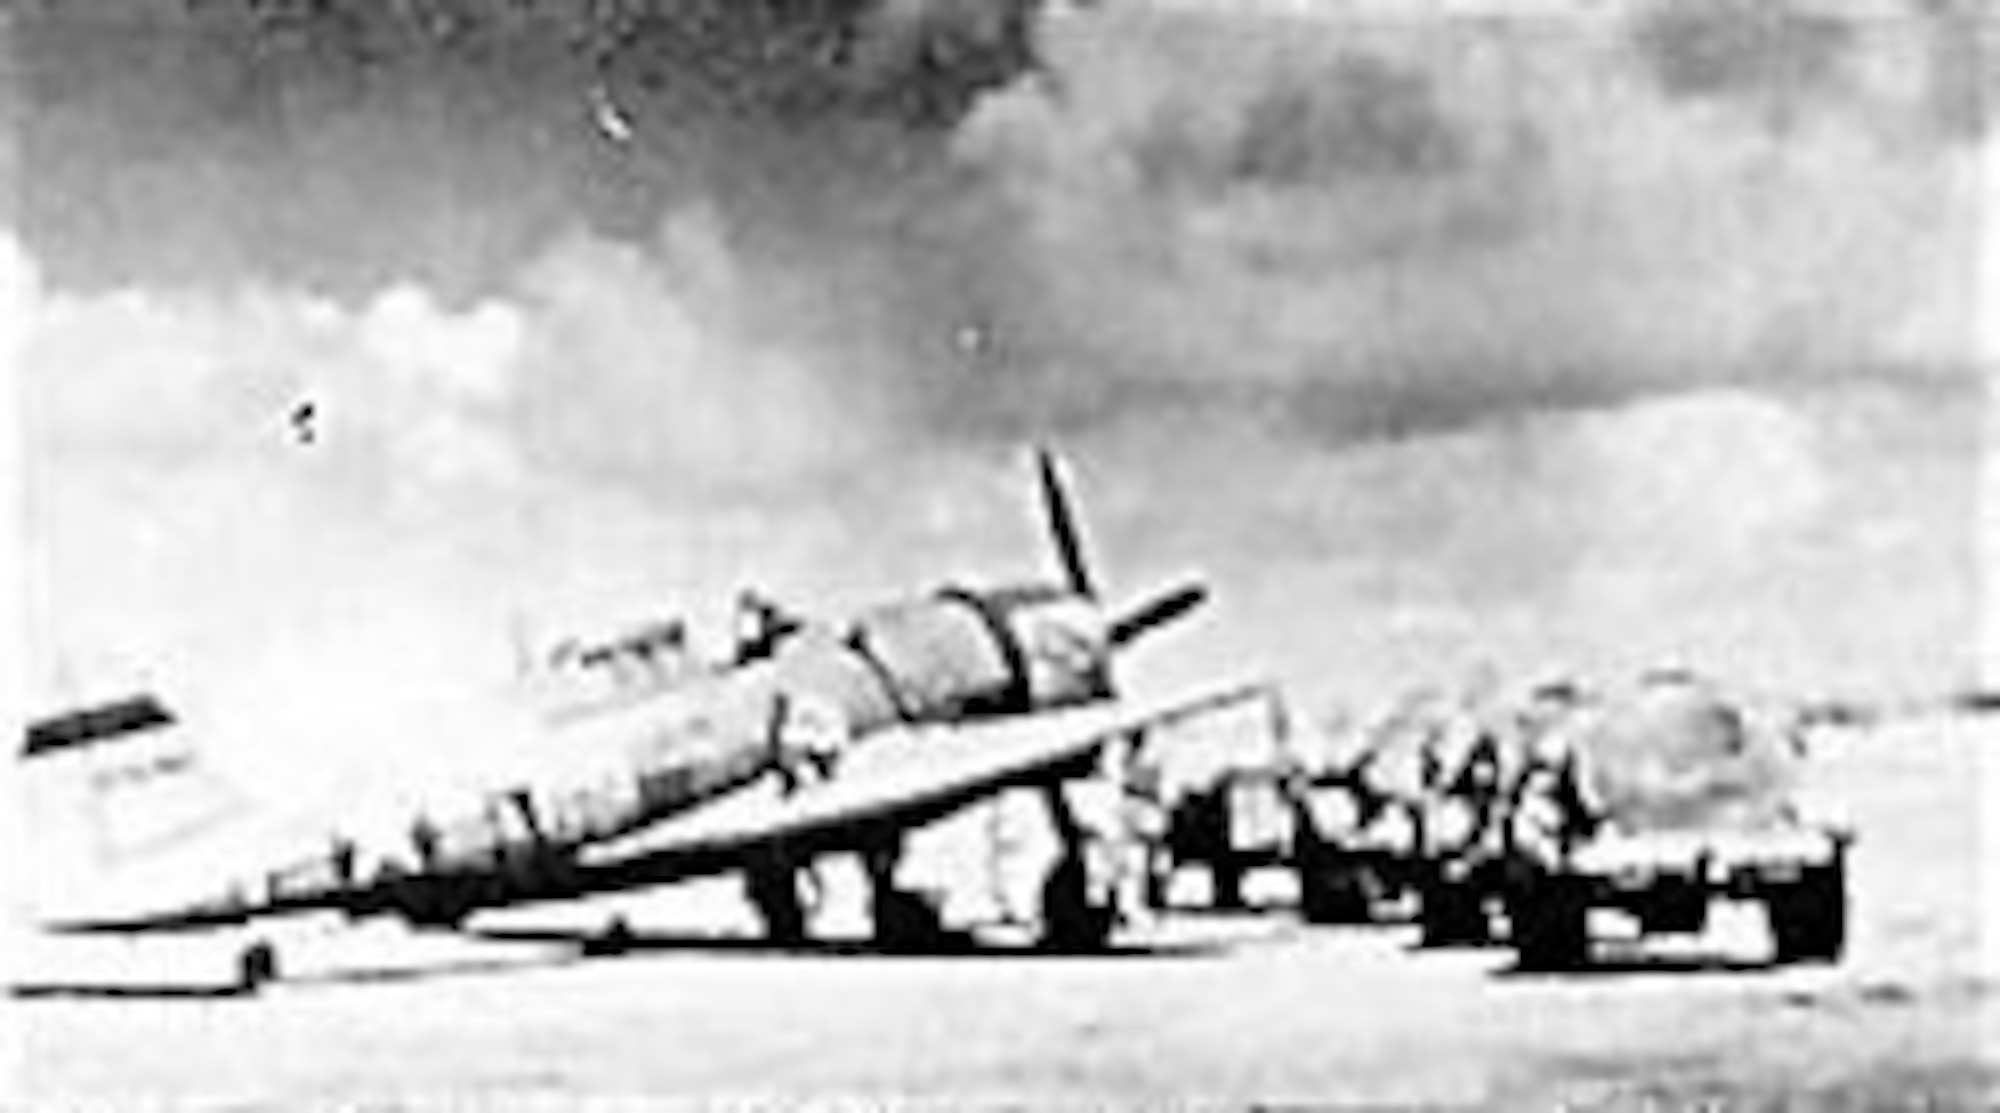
x,y
1062,527
1158,611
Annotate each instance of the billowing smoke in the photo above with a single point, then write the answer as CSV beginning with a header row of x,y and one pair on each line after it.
x,y
368,341
278,499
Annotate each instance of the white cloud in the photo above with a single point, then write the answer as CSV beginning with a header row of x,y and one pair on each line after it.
x,y
1703,479
470,356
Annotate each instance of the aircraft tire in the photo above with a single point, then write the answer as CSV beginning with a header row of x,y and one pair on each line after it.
x,y
1679,906
906,921
1550,925
615,939
256,966
1070,922
774,893
1452,914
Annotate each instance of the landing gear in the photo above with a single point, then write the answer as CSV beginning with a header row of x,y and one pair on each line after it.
x,y
773,888
1071,919
906,921
256,966
903,920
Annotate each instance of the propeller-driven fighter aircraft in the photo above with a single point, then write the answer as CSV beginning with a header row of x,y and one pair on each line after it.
x,y
912,710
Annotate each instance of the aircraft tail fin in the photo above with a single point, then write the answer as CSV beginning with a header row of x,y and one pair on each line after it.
x,y
122,773
99,725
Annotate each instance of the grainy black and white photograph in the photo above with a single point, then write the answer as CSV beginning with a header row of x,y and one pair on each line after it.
x,y
583,554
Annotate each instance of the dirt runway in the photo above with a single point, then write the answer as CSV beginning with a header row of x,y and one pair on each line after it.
x,y
1226,1009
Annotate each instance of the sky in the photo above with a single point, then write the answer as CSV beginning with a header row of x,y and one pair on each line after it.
x,y
366,343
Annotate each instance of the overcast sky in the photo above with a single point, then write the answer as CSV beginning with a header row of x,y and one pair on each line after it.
x,y
1588,334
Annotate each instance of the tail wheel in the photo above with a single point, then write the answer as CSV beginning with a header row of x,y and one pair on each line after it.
x,y
1809,916
616,938
1550,922
256,966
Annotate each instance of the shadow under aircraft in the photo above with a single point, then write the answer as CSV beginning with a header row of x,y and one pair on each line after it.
x,y
828,739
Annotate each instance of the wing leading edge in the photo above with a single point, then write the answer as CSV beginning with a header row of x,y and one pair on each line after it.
x,y
898,784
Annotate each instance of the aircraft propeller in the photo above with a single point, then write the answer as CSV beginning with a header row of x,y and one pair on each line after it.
x,y
1137,620
1157,611
1062,527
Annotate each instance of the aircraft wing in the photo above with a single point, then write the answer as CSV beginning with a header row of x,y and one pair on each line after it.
x,y
891,784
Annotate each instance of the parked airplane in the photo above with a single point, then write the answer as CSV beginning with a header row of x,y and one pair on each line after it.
x,y
909,712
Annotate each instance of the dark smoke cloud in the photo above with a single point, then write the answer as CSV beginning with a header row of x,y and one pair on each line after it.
x,y
1963,62
1777,58
347,144
1355,117
1385,215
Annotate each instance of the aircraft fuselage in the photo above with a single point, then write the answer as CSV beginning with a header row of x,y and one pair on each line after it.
x,y
947,657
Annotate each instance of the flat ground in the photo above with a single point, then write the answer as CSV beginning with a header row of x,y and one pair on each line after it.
x,y
1229,1008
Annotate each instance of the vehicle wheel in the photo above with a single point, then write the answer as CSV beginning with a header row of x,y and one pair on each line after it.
x,y
1070,922
1452,914
1809,916
1550,924
1226,875
434,903
256,966
1677,907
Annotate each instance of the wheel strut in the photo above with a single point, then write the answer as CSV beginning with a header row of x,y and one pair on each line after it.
x,y
1070,920
773,888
